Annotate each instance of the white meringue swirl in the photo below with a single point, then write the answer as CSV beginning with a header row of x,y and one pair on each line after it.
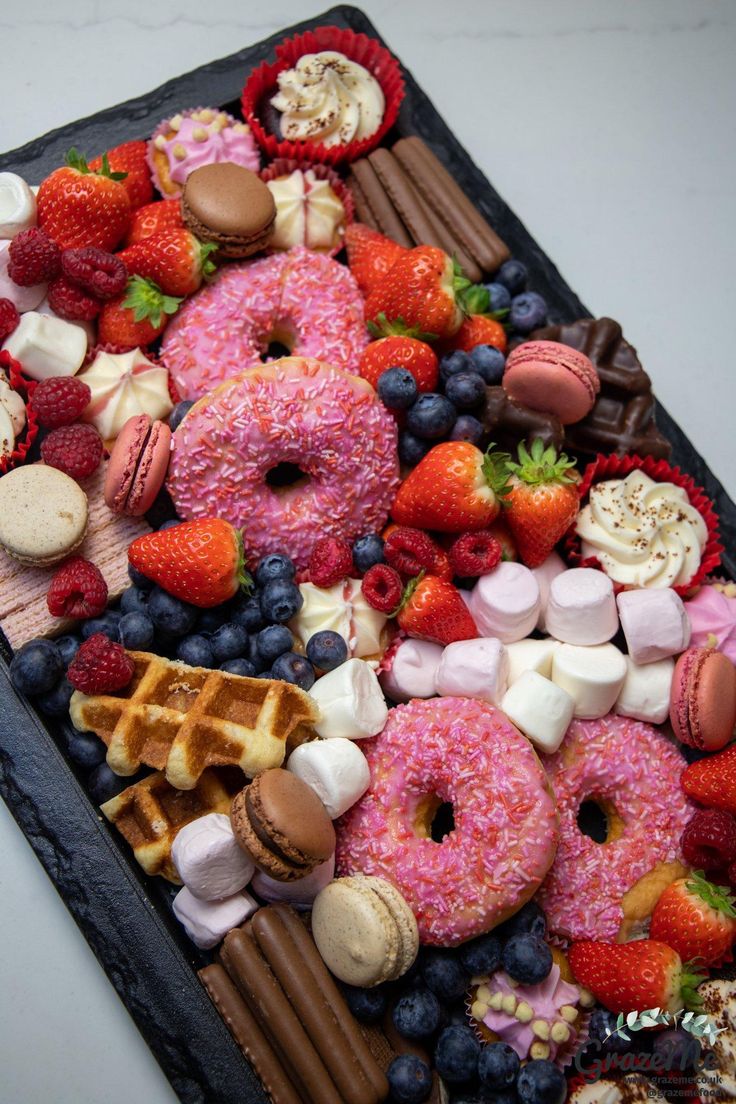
x,y
330,99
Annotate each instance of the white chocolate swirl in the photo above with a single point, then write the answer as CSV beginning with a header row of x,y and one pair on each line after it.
x,y
330,99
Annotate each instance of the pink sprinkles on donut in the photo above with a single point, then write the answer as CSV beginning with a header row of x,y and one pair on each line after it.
x,y
467,753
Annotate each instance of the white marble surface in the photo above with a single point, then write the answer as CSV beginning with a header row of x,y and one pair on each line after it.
x,y
609,129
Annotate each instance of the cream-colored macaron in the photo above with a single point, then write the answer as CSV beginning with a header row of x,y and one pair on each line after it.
x,y
43,515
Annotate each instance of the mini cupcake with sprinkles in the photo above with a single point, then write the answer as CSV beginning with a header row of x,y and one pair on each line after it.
x,y
197,137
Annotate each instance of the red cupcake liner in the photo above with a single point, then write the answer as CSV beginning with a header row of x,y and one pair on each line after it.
x,y
24,387
366,51
284,166
617,467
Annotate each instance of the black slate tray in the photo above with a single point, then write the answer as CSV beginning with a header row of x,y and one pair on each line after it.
x,y
124,915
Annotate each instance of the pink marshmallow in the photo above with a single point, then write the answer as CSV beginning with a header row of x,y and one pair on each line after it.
x,y
553,566
712,614
655,623
474,669
24,298
412,671
208,922
582,607
299,894
506,603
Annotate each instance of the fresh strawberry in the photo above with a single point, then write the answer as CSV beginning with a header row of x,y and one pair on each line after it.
x,y
542,501
502,533
697,919
79,207
416,356
433,609
130,158
424,294
174,259
712,781
453,489
198,561
478,329
137,317
152,219
370,255
628,977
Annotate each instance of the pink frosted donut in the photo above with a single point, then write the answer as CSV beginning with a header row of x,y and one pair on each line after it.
x,y
632,772
292,411
303,300
467,753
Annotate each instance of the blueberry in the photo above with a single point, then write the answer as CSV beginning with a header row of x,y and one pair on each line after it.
x,y
247,612
500,297
530,918
527,958
528,311
367,1005
466,390
136,631
431,417
107,624
242,667
443,973
229,642
36,668
513,275
280,600
456,1054
541,1082
85,749
326,650
170,523
209,620
273,641
417,1014
275,566
196,651
600,1027
452,363
498,1066
177,414
467,428
489,362
104,784
134,600
138,579
481,955
679,1049
367,551
412,450
254,656
55,702
170,614
68,647
291,667
410,1079
265,674
397,388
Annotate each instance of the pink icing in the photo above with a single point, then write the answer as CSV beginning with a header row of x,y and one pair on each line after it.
x,y
301,298
713,620
546,998
465,752
297,411
637,770
238,146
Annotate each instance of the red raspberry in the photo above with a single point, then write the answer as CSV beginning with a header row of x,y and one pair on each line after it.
x,y
100,666
33,258
70,301
411,551
709,840
382,588
60,400
331,561
74,449
78,589
473,554
9,318
97,271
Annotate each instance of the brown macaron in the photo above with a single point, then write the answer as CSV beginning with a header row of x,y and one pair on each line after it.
x,y
230,206
283,825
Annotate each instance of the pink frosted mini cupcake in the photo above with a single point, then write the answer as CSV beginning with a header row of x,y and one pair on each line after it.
x,y
197,137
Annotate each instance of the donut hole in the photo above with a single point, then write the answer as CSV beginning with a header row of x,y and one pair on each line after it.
x,y
279,342
597,818
434,818
285,475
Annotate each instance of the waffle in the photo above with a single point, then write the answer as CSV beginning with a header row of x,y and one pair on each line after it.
x,y
150,813
182,719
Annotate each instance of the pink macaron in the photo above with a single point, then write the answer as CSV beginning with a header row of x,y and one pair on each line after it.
x,y
137,465
703,699
553,378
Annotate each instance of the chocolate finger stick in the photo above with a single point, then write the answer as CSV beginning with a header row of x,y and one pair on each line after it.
x,y
276,1017
244,1029
423,224
435,184
293,957
362,210
375,196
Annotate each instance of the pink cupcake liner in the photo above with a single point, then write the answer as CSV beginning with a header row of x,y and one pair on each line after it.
x,y
615,467
262,82
284,166
25,388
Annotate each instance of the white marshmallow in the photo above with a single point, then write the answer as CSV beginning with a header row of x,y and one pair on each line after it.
x,y
413,668
17,205
351,702
209,860
473,669
337,770
88,328
208,922
540,709
530,655
23,298
581,607
592,676
47,346
645,694
655,623
506,603
553,566
299,894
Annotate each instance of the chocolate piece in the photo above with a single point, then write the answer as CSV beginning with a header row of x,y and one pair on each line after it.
x,y
362,210
244,1028
384,215
508,422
